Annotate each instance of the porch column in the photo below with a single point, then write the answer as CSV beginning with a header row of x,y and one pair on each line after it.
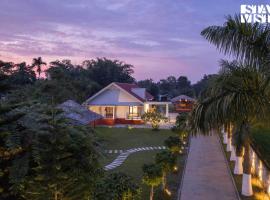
x,y
167,110
113,112
146,107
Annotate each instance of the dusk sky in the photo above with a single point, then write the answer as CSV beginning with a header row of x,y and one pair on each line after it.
x,y
159,37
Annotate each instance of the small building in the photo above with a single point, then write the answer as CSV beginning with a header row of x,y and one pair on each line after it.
x,y
183,103
123,103
78,114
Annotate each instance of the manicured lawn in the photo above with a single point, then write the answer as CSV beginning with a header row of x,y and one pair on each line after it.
x,y
261,140
123,138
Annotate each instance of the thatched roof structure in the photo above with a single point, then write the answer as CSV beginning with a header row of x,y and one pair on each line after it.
x,y
182,97
77,113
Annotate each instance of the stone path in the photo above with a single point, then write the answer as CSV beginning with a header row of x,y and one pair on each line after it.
x,y
124,154
206,175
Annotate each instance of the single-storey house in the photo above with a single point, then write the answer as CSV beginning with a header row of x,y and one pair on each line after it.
x,y
123,103
183,103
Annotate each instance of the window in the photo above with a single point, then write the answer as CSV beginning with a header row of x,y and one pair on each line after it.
x,y
133,111
109,112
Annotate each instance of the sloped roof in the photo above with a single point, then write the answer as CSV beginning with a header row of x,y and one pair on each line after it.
x,y
129,86
78,113
181,97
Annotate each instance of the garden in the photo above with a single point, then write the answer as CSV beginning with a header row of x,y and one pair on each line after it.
x,y
128,138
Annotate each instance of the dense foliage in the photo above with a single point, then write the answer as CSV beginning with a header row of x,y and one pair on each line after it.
x,y
174,144
44,156
152,176
154,118
167,161
117,186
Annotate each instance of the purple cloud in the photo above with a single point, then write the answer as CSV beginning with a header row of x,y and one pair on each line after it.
x,y
158,37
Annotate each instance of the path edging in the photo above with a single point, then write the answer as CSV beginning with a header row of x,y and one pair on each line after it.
x,y
228,167
184,171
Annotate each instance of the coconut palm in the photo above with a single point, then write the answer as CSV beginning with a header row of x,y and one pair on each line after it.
x,y
246,41
249,43
152,176
240,95
167,161
38,63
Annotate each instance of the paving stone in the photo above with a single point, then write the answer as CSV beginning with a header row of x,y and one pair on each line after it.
x,y
124,154
206,174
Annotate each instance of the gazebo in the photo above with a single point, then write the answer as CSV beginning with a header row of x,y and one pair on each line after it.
x,y
183,103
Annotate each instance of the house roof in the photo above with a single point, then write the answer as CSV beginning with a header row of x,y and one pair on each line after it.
x,y
78,113
125,87
129,86
180,97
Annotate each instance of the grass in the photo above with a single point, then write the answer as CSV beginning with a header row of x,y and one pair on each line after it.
x,y
123,138
258,191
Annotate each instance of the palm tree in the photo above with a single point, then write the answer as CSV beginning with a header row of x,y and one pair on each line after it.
x,y
152,176
240,95
249,43
38,63
246,41
167,161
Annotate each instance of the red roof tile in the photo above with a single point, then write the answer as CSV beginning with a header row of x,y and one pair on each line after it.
x,y
129,86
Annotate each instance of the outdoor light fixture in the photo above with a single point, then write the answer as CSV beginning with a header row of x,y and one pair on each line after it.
x,y
268,188
260,170
168,192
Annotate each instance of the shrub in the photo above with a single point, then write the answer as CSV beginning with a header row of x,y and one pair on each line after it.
x,y
117,186
154,117
174,144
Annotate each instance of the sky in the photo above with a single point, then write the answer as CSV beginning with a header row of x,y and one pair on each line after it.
x,y
158,37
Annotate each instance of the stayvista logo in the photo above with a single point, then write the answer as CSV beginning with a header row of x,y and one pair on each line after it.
x,y
255,13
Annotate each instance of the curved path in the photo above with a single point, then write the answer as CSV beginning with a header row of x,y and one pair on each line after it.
x,y
123,156
206,175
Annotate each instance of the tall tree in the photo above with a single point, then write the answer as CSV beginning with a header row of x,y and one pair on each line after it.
x,y
38,63
245,41
104,71
184,86
57,160
150,86
23,74
167,161
240,95
249,43
117,186
152,176
202,84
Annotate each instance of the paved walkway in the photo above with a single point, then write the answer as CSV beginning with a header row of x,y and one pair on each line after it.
x,y
124,154
206,175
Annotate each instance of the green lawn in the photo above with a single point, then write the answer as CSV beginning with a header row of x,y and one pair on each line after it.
x,y
123,138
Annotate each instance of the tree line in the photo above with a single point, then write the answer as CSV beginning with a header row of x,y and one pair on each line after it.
x,y
63,80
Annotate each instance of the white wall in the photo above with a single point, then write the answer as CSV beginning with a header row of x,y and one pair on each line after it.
x,y
121,111
114,96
